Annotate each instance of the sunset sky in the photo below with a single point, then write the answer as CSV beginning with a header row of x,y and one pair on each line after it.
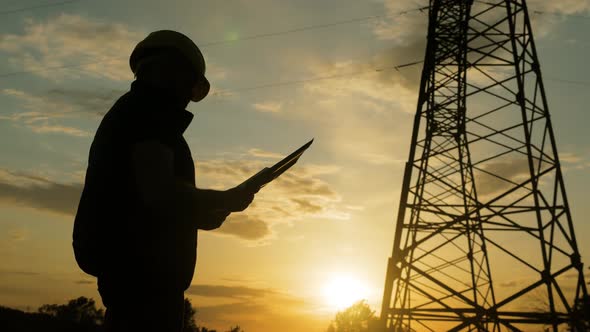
x,y
282,72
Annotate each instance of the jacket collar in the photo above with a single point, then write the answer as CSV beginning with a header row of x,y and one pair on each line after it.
x,y
162,106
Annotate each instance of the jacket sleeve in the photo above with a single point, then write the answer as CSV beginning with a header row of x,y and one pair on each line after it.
x,y
162,193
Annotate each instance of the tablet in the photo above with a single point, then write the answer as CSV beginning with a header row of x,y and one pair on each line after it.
x,y
267,174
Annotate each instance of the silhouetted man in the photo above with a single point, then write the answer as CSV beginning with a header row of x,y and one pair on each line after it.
x,y
136,225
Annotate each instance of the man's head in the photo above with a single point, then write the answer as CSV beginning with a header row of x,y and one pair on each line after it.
x,y
171,60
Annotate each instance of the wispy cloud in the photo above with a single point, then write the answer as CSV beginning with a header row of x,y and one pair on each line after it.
x,y
42,112
72,40
234,292
52,129
251,305
404,28
69,46
564,7
17,234
61,102
11,241
362,116
575,161
36,192
402,24
370,104
507,171
511,283
84,282
5,272
381,159
296,195
268,107
362,107
18,291
264,154
373,80
246,227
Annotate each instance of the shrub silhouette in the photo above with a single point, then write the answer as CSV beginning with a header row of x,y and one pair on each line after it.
x,y
81,310
78,315
357,318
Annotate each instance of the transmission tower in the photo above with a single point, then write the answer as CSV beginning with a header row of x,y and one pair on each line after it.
x,y
484,239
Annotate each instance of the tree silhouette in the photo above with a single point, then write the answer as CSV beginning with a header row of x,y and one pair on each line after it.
x,y
357,318
189,317
581,315
191,326
78,315
81,310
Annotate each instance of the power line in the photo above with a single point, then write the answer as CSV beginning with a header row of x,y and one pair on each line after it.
x,y
222,93
246,38
559,80
226,92
313,27
222,42
270,34
74,65
538,12
45,5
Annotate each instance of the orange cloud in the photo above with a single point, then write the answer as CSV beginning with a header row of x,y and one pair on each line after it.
x,y
45,110
296,195
251,308
72,40
268,107
36,192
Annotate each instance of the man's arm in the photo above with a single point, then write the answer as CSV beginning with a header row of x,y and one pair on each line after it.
x,y
162,192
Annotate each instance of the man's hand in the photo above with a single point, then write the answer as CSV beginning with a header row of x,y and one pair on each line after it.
x,y
238,198
162,193
224,203
213,219
220,215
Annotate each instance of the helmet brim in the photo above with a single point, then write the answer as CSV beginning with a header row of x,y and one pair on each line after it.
x,y
201,90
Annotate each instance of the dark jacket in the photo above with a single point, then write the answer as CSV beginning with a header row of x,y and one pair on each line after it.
x,y
116,236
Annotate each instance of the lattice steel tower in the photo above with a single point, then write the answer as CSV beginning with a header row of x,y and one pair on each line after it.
x,y
484,238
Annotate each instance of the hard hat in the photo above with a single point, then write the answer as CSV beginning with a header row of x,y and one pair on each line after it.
x,y
168,39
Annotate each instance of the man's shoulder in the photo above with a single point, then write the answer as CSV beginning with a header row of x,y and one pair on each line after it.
x,y
122,115
130,120
123,105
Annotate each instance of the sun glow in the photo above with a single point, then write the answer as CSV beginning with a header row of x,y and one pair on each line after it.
x,y
343,291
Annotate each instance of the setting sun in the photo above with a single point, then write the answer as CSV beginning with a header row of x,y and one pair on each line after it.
x,y
343,291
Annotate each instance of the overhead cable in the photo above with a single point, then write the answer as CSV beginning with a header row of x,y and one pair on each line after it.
x,y
44,5
222,42
221,93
